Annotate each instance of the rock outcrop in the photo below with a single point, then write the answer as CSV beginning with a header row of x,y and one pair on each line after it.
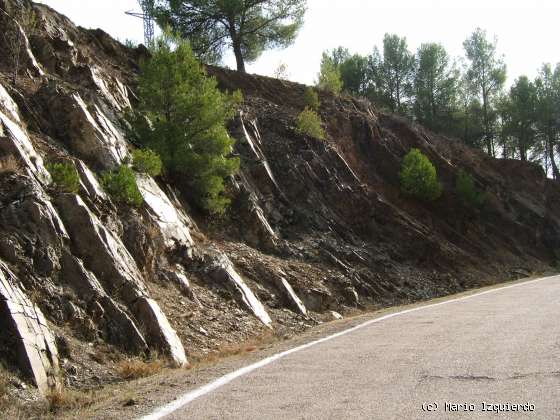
x,y
316,228
222,271
25,328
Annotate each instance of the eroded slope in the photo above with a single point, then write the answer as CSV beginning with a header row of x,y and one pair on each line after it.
x,y
315,226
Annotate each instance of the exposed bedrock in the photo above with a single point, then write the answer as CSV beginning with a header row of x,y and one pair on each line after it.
x,y
25,335
317,228
107,257
221,270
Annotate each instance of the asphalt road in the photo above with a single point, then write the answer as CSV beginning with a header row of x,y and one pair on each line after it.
x,y
497,349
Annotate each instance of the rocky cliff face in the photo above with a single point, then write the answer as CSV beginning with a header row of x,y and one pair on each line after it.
x,y
315,226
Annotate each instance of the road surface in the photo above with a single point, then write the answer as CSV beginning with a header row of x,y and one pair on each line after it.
x,y
495,351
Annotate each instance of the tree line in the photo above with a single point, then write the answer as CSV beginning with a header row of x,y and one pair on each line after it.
x,y
462,98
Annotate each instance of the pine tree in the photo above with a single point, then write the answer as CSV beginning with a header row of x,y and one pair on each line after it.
x,y
249,27
329,77
182,118
487,74
435,84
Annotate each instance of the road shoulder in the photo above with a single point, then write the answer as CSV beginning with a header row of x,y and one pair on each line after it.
x,y
141,397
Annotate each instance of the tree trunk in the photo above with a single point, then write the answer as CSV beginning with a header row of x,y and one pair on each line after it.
x,y
555,172
236,42
488,137
434,109
398,96
522,151
239,56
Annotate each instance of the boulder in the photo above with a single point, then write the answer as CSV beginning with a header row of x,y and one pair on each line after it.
x,y
317,300
351,296
336,316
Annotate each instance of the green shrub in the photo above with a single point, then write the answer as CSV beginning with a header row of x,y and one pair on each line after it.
x,y
182,116
465,188
309,124
146,161
311,99
65,177
121,186
418,177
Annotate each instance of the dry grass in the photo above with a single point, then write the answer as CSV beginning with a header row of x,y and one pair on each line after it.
x,y
4,381
66,399
5,401
130,369
57,405
53,406
234,349
8,406
9,164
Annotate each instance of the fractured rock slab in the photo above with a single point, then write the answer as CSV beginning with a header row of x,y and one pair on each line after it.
x,y
98,139
223,271
89,183
101,250
119,327
84,127
36,349
107,257
20,145
292,297
172,222
159,330
178,276
111,88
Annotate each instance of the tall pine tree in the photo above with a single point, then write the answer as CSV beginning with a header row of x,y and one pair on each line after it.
x,y
182,117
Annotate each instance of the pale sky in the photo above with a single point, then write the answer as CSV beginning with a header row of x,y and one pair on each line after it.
x,y
528,31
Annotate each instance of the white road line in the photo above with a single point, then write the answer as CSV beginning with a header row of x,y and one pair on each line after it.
x,y
224,380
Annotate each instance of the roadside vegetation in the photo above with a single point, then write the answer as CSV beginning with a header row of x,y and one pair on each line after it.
x,y
9,165
469,195
65,177
311,99
418,177
309,124
136,368
182,118
146,161
122,187
469,102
